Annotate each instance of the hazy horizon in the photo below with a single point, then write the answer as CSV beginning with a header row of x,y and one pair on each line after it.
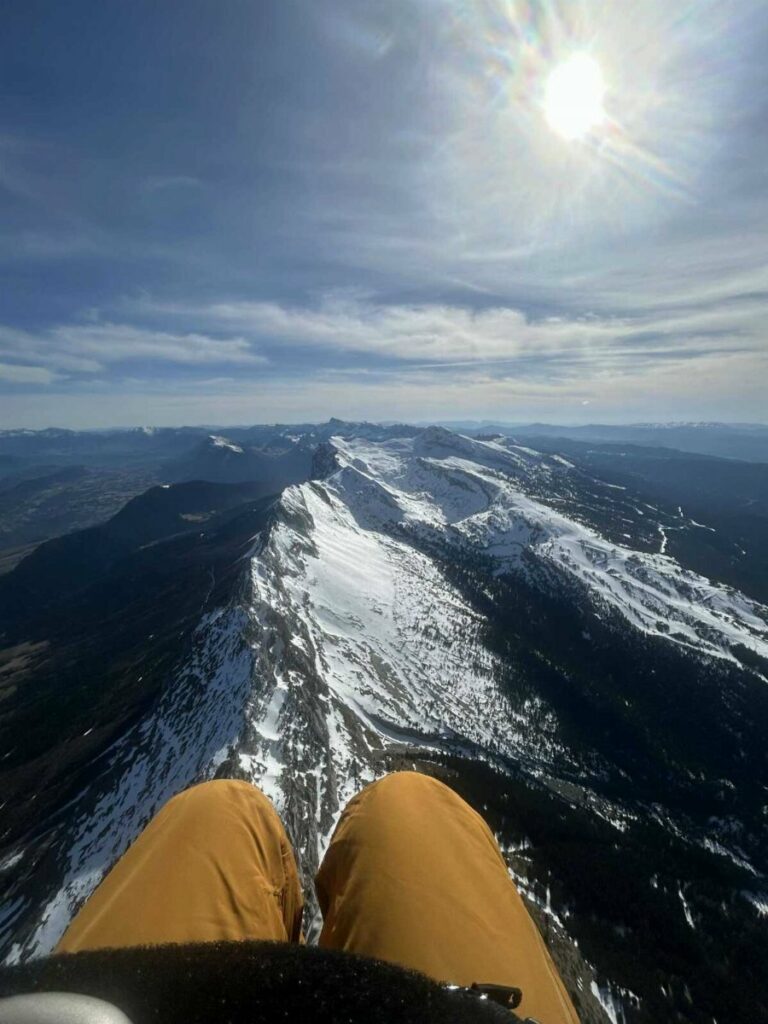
x,y
446,422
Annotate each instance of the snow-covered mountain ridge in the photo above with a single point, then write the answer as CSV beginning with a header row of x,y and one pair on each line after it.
x,y
372,627
477,493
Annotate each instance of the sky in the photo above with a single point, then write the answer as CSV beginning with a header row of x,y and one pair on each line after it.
x,y
285,210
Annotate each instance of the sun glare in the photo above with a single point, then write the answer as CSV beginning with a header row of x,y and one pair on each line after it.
x,y
573,99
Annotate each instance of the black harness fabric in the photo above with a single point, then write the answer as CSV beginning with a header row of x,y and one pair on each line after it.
x,y
250,983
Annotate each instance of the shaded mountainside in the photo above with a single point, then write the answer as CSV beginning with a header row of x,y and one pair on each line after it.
x,y
64,566
508,619
81,677
217,458
41,504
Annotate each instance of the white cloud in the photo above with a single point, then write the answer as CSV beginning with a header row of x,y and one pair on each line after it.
x,y
17,374
443,334
90,347
112,343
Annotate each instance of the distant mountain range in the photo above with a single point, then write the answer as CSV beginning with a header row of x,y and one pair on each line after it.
x,y
574,634
747,441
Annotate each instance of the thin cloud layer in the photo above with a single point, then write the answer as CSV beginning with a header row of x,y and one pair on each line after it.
x,y
79,349
442,333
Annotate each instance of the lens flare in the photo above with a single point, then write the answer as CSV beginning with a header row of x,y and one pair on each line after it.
x,y
573,98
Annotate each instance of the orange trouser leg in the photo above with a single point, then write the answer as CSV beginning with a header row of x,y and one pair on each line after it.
x,y
215,863
413,875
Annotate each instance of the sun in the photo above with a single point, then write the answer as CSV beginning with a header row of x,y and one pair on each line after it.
x,y
573,97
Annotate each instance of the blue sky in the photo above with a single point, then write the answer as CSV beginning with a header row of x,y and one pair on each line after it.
x,y
233,212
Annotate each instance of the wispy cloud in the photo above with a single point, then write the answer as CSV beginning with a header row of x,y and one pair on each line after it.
x,y
19,374
89,348
111,343
440,333
411,361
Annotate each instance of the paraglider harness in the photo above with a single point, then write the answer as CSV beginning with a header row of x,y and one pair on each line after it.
x,y
239,983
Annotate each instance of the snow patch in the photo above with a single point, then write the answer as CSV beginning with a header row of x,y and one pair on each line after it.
x,y
223,442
